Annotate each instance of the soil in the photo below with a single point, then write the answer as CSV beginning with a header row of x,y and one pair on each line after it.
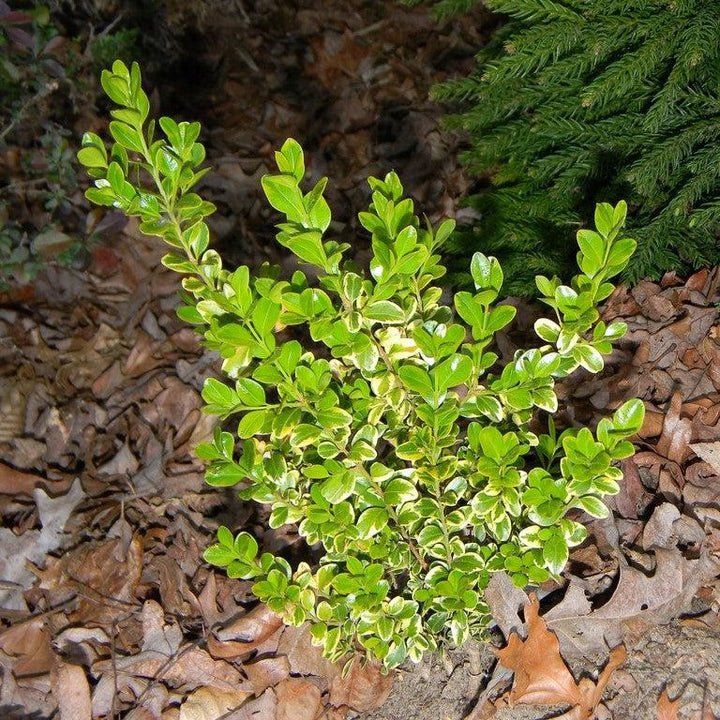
x,y
99,389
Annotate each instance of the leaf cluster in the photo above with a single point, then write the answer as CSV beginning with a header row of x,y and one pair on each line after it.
x,y
576,101
391,437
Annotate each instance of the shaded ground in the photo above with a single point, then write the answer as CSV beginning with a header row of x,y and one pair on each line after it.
x,y
114,614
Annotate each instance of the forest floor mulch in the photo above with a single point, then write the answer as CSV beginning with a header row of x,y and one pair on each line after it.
x,y
108,608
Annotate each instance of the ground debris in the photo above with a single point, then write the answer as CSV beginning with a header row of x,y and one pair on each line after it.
x,y
116,615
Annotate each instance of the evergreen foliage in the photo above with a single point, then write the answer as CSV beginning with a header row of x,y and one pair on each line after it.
x,y
582,101
386,436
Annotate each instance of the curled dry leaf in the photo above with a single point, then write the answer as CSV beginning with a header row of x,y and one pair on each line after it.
x,y
245,634
541,676
252,628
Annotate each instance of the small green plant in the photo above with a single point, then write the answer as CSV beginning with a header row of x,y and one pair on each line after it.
x,y
390,436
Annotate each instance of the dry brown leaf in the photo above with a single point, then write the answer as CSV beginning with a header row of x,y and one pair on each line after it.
x,y
29,643
667,709
72,691
167,574
258,629
192,667
632,499
262,708
103,575
593,691
211,703
659,530
163,657
267,672
654,599
297,699
652,425
674,443
505,600
304,657
541,676
24,695
34,545
14,482
251,629
153,699
216,602
364,688
709,452
112,688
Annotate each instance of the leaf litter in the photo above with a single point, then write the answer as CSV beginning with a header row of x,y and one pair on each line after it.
x,y
108,610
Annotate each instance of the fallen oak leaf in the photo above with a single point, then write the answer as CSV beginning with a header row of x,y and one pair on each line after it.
x,y
655,599
541,675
